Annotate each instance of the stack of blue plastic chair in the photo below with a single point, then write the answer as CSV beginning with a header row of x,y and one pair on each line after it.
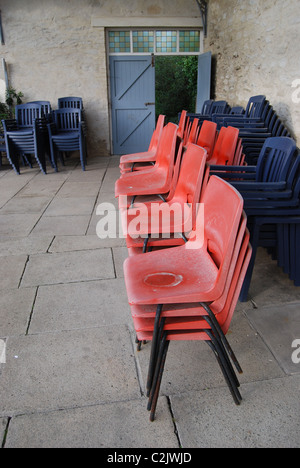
x,y
26,135
256,124
271,185
209,108
2,148
67,134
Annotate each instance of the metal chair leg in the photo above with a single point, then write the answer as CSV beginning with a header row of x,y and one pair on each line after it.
x,y
224,368
222,336
158,376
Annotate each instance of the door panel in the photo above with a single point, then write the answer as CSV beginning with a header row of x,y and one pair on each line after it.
x,y
132,81
204,80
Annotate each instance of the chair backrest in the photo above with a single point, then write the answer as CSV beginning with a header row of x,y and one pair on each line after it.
x,y
25,114
255,106
157,133
207,137
67,120
190,177
275,159
46,106
223,209
182,123
225,147
206,108
192,136
219,107
70,102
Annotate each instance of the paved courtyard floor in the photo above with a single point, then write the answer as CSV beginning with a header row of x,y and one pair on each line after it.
x,y
72,376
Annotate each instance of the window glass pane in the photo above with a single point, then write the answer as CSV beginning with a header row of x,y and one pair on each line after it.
x,y
189,41
166,41
143,41
119,41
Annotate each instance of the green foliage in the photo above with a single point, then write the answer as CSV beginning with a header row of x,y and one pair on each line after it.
x,y
176,85
7,108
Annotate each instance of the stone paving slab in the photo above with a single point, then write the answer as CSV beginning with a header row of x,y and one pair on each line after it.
x,y
25,245
73,189
43,187
15,309
116,425
11,270
279,326
80,305
67,369
20,205
20,225
70,206
68,267
267,418
89,242
62,225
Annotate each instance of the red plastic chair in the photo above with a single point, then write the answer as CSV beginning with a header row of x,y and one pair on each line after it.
x,y
193,327
192,133
207,137
129,202
158,178
184,202
197,269
130,162
183,124
225,147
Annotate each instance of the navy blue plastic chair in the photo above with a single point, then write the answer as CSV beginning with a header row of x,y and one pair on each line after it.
x,y
70,102
22,142
67,134
46,108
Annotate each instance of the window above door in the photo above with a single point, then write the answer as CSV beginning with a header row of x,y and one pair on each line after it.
x,y
155,41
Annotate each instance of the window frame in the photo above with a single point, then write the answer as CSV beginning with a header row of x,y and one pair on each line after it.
x,y
154,30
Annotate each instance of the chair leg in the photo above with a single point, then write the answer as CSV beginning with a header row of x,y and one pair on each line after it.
x,y
222,336
230,380
154,348
163,350
224,352
247,281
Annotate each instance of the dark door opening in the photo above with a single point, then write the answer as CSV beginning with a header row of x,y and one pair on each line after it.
x,y
175,85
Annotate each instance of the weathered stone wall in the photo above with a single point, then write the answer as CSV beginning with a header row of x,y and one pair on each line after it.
x,y
52,50
256,47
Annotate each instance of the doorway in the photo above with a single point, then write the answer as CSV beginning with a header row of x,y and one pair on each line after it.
x,y
175,85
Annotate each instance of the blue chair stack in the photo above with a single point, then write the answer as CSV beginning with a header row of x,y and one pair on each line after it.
x,y
67,134
271,200
26,135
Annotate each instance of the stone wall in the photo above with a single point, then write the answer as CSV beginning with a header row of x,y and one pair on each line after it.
x,y
52,50
255,44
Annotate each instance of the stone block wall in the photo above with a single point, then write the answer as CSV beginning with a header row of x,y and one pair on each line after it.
x,y
255,44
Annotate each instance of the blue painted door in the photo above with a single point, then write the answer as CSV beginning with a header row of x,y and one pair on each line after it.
x,y
204,80
132,82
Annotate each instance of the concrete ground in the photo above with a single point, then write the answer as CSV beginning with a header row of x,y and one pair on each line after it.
x,y
72,376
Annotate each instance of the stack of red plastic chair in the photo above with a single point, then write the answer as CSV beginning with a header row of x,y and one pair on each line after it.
x,y
157,179
225,148
161,223
189,292
136,161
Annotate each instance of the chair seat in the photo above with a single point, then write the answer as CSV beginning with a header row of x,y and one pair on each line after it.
x,y
158,277
66,136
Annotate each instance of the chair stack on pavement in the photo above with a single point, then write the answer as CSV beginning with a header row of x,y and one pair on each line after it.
x,y
183,280
271,198
26,135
